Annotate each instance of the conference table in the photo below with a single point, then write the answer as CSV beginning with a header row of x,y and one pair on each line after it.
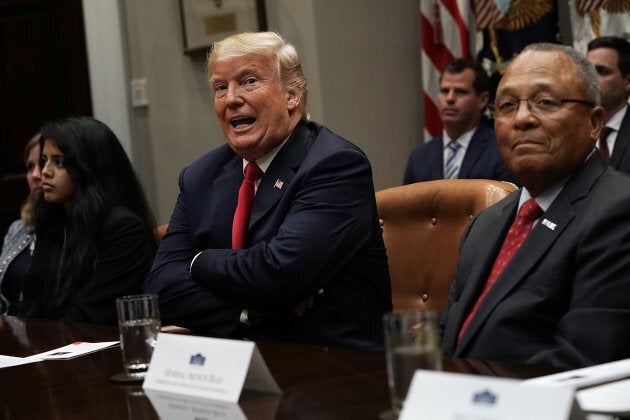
x,y
317,382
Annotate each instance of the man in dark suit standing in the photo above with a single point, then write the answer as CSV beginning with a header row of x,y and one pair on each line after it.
x,y
467,148
307,262
611,57
557,295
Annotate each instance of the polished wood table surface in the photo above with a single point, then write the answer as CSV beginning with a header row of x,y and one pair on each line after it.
x,y
317,382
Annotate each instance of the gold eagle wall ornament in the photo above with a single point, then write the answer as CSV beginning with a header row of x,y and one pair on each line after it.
x,y
617,6
611,6
523,13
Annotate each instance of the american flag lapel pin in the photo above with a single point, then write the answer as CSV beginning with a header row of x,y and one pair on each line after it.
x,y
279,184
551,225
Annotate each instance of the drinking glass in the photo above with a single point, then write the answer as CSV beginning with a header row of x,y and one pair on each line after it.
x,y
139,324
412,342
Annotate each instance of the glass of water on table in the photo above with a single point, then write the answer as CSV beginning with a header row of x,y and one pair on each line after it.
x,y
139,324
412,341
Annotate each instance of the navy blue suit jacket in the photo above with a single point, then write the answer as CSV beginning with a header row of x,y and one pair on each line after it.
x,y
481,161
620,159
313,226
563,299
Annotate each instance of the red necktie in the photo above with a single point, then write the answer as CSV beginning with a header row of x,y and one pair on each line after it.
x,y
603,145
519,230
245,201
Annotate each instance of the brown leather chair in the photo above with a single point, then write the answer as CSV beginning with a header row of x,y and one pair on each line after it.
x,y
160,231
422,226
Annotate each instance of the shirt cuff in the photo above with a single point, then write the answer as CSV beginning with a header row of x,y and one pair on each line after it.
x,y
193,261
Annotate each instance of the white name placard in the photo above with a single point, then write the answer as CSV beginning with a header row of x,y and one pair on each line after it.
x,y
453,396
182,407
209,368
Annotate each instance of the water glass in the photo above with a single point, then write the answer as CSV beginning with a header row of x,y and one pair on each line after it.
x,y
412,342
139,324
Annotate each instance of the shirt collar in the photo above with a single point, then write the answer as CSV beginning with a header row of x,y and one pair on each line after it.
x,y
464,139
264,162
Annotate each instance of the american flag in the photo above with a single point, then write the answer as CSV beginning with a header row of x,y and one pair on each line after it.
x,y
279,184
487,13
448,32
588,6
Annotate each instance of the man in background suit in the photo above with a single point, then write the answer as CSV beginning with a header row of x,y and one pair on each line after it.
x,y
311,265
467,148
561,298
611,57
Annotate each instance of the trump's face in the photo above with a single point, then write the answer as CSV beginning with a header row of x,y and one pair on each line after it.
x,y
255,111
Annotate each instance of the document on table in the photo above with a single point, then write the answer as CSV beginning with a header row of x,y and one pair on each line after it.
x,y
75,349
8,361
70,351
599,389
610,398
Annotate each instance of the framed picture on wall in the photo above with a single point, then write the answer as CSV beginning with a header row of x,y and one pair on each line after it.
x,y
206,21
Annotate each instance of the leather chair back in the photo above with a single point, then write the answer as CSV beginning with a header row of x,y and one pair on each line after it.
x,y
422,226
160,231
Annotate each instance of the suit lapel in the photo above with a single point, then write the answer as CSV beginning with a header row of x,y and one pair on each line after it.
x,y
524,261
476,148
225,197
436,156
561,213
280,173
623,140
496,227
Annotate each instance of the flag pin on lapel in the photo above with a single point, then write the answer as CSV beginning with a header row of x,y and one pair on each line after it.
x,y
551,225
279,183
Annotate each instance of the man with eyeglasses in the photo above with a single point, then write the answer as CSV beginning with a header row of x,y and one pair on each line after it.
x,y
611,57
467,147
544,275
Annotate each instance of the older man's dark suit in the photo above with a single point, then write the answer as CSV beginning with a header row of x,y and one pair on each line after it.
x,y
313,226
482,159
620,158
564,299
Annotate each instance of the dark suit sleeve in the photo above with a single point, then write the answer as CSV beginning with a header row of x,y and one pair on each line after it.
x,y
184,301
329,220
124,259
409,177
454,289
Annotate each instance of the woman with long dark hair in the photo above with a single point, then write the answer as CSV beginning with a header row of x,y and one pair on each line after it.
x,y
94,229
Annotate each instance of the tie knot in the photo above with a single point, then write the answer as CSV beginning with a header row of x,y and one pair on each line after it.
x,y
454,146
530,210
253,171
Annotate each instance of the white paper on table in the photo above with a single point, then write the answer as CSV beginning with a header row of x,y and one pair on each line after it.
x,y
73,350
8,361
601,388
610,398
585,377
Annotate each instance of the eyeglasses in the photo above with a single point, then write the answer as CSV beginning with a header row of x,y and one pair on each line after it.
x,y
539,106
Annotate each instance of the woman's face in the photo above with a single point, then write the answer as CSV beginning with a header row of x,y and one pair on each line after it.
x,y
33,172
57,184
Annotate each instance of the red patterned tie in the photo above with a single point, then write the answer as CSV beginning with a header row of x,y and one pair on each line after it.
x,y
603,145
245,201
519,230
